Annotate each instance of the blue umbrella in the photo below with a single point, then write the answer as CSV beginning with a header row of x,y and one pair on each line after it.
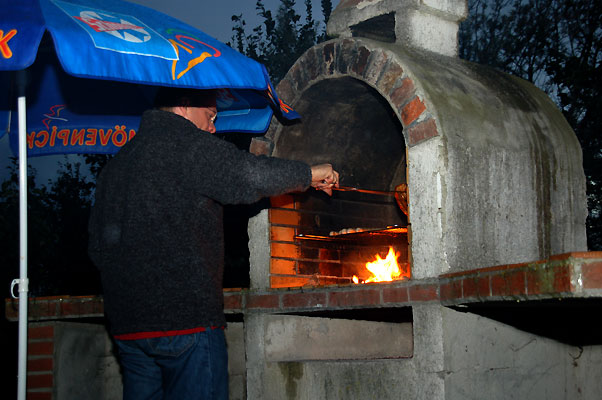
x,y
113,40
124,51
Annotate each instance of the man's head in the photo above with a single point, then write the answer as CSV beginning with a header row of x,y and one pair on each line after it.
x,y
198,106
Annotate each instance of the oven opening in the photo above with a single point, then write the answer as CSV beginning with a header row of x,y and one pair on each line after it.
x,y
318,239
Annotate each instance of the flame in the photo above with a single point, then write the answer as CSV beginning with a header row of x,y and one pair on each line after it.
x,y
383,270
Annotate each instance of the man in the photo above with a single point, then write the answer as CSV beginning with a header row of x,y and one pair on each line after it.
x,y
156,236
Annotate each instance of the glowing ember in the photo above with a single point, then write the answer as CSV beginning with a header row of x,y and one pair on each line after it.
x,y
383,270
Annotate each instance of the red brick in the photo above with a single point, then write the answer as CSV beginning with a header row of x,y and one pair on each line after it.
x,y
233,301
39,395
359,64
412,111
395,295
285,90
263,301
422,131
451,290
498,285
587,254
562,279
282,234
328,53
284,201
516,281
540,280
288,281
72,307
299,300
284,217
592,275
508,283
282,267
298,75
365,297
402,94
260,147
40,332
389,77
68,308
285,250
423,292
88,306
469,288
483,287
40,348
39,381
40,364
313,65
42,308
577,254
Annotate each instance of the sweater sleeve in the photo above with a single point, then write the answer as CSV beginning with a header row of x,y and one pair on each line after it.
x,y
232,176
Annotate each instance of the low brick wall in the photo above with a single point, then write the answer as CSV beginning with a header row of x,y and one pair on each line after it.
x,y
570,275
565,276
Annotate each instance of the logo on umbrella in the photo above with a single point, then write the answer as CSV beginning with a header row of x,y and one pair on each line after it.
x,y
4,49
118,32
54,115
182,42
123,29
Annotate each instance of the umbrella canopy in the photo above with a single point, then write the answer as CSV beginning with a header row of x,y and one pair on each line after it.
x,y
124,50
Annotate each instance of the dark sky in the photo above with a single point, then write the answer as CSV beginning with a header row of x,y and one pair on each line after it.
x,y
212,17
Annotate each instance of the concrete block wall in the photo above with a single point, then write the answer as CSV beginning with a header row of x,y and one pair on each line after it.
x,y
76,360
71,361
428,24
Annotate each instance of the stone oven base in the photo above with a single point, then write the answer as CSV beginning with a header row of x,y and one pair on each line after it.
x,y
491,333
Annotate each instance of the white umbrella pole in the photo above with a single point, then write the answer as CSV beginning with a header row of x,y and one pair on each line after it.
x,y
23,281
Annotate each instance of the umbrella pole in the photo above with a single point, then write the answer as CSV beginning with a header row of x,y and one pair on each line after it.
x,y
23,281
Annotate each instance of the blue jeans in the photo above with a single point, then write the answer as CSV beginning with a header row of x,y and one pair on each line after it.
x,y
178,367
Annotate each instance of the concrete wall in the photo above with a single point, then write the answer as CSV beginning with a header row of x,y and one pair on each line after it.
x,y
82,364
457,356
425,24
334,378
485,359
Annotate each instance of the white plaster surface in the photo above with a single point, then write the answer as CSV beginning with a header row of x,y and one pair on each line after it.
x,y
296,338
486,359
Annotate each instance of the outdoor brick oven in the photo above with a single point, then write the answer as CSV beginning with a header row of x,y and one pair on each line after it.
x,y
492,175
493,170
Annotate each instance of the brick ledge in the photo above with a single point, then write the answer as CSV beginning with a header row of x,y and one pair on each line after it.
x,y
569,275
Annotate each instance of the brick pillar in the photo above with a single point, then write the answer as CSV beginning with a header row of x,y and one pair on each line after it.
x,y
40,361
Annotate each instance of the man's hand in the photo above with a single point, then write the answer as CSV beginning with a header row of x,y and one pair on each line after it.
x,y
324,178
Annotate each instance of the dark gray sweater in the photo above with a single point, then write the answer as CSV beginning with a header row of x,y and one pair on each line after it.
x,y
156,231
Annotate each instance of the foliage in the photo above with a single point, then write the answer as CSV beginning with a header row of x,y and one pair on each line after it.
x,y
278,42
57,220
557,45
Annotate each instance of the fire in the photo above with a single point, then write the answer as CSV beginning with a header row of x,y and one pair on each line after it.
x,y
383,270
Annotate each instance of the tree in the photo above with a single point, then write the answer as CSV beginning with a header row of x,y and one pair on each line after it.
x,y
57,217
557,45
279,42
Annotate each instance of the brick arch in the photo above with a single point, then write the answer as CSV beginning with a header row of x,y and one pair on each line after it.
x,y
366,61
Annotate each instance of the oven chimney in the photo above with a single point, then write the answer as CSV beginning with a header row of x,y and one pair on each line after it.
x,y
424,24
